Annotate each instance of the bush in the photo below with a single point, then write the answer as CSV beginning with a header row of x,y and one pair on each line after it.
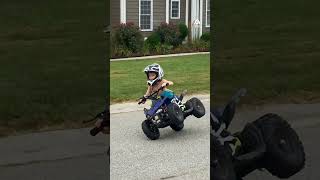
x,y
121,52
200,45
163,48
153,40
184,31
127,36
205,37
146,49
169,34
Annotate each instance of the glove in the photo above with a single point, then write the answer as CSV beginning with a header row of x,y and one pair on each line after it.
x,y
164,85
101,123
142,100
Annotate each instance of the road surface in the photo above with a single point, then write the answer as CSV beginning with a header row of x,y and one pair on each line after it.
x,y
74,155
67,154
175,155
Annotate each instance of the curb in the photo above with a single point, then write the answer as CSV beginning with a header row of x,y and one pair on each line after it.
x,y
159,56
133,106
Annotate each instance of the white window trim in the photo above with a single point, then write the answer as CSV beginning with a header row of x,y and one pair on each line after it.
x,y
171,9
207,9
151,25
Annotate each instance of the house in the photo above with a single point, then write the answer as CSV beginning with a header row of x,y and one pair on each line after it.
x,y
149,14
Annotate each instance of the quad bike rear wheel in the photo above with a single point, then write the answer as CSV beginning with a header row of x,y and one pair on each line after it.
x,y
150,130
175,114
198,107
285,154
177,127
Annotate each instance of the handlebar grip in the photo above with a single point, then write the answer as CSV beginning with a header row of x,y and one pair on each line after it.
x,y
94,131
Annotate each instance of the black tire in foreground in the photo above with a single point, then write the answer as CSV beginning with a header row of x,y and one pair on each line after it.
x,y
285,154
177,127
221,161
198,107
175,114
150,130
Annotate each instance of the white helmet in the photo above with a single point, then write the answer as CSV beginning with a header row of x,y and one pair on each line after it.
x,y
154,68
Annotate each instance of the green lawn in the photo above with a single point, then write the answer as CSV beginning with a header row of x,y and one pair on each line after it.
x,y
128,81
53,63
270,47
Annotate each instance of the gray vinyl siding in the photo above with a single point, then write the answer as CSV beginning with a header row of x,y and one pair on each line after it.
x,y
115,12
159,12
133,11
182,13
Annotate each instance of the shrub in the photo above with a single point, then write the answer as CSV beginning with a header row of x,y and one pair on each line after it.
x,y
153,40
146,49
169,34
184,31
163,48
205,37
127,36
121,52
200,45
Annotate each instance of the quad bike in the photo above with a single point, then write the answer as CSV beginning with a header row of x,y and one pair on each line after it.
x,y
105,123
168,110
267,143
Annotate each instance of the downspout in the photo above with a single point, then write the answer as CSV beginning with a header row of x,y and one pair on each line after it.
x,y
187,21
167,11
201,17
187,13
123,9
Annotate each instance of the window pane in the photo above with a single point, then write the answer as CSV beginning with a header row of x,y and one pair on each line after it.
x,y
145,7
145,14
145,22
175,5
175,9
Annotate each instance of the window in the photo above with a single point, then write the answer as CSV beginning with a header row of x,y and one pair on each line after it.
x,y
145,15
207,13
175,9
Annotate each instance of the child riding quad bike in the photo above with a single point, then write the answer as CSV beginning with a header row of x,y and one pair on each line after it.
x,y
267,143
169,110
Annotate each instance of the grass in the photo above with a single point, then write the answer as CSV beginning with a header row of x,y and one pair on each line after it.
x,y
270,47
53,67
128,81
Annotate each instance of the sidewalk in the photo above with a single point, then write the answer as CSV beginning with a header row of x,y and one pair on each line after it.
x,y
133,106
159,56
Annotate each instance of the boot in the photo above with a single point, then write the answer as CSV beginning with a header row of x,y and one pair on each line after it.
x,y
184,92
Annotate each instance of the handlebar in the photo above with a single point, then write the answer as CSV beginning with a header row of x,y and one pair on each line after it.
x,y
94,131
154,93
102,115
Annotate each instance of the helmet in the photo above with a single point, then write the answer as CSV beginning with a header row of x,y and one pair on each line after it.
x,y
156,68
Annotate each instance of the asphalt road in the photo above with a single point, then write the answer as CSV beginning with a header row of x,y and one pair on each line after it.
x,y
68,154
305,119
175,155
73,154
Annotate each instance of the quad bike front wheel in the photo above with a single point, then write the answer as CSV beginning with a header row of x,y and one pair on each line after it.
x,y
175,114
285,154
198,107
150,130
